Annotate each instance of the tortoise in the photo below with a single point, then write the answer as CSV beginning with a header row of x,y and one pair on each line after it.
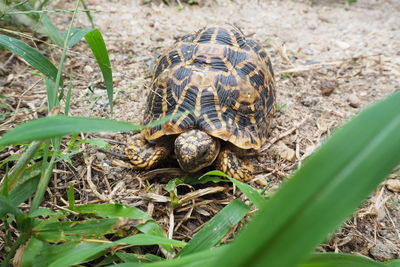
x,y
223,85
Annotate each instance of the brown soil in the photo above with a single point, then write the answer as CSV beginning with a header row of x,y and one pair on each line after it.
x,y
331,60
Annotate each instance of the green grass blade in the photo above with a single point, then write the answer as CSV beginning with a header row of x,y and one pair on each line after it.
x,y
112,211
213,232
19,168
342,260
8,207
149,226
48,127
392,263
78,255
58,81
52,31
76,35
53,126
31,55
253,195
197,259
88,13
41,254
53,232
98,47
323,192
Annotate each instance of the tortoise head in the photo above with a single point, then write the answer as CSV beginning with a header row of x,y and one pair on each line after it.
x,y
195,150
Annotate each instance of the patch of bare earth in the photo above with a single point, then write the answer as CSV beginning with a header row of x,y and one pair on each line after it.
x,y
330,59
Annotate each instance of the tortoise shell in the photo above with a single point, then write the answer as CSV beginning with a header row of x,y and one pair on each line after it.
x,y
222,80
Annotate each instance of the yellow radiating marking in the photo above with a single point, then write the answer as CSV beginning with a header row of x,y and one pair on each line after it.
x,y
233,39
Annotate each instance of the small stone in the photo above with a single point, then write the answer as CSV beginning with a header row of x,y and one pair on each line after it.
x,y
87,69
327,88
354,101
100,156
342,45
393,185
308,101
383,251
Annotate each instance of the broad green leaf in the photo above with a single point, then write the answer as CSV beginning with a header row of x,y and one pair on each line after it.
x,y
79,254
26,186
119,210
48,127
113,211
42,212
8,207
196,259
70,230
323,192
31,55
98,47
253,195
342,260
216,229
41,254
392,263
51,93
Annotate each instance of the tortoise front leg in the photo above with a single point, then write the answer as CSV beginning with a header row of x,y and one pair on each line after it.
x,y
144,155
229,163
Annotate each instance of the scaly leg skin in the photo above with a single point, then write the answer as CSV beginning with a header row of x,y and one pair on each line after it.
x,y
229,163
144,155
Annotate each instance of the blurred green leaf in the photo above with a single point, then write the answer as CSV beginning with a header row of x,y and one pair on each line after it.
x,y
392,263
196,259
31,55
323,192
342,260
80,254
96,43
113,211
41,254
216,229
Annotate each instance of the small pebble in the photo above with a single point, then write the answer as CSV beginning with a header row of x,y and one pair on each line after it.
x,y
383,251
100,156
87,69
393,185
327,88
354,101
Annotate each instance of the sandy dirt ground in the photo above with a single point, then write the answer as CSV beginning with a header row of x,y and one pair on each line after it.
x,y
331,60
